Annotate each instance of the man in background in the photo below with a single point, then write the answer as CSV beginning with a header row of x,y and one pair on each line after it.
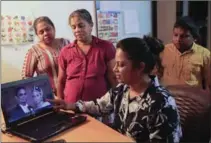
x,y
184,61
22,107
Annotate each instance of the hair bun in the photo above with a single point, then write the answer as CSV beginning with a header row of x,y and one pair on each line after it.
x,y
155,45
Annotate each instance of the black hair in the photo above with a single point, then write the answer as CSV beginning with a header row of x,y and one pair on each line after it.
x,y
141,50
18,89
187,23
82,13
156,47
42,19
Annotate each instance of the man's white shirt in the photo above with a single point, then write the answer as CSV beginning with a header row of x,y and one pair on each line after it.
x,y
25,108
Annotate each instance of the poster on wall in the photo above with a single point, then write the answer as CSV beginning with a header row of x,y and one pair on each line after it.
x,y
16,30
109,25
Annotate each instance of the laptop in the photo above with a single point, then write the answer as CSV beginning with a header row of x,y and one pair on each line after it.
x,y
28,115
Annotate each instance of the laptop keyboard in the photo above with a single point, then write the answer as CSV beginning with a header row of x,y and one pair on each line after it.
x,y
49,125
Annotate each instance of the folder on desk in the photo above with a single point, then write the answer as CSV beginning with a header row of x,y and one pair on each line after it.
x,y
28,115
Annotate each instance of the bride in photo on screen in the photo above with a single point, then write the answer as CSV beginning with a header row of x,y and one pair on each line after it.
x,y
38,98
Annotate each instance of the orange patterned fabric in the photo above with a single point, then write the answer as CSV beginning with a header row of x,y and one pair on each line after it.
x,y
188,68
43,61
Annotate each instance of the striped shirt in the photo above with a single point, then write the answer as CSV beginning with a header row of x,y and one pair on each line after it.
x,y
43,61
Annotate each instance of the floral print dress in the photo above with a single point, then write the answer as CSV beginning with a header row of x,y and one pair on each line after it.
x,y
150,117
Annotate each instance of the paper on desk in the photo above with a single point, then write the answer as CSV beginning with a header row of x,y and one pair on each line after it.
x,y
131,22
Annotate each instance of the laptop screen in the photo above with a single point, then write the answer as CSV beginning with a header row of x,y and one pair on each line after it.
x,y
25,98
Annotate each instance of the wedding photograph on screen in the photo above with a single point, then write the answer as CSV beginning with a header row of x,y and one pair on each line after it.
x,y
26,99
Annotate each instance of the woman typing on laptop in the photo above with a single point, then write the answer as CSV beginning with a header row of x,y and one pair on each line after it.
x,y
143,110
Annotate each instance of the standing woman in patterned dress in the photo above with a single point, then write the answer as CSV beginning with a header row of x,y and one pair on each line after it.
x,y
42,58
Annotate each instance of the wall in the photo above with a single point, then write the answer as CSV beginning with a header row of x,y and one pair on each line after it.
x,y
13,56
166,17
143,9
58,11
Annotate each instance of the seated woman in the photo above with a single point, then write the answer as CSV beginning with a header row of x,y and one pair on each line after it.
x,y
38,98
42,57
143,109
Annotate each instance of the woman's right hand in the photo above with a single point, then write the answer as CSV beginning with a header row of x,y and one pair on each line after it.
x,y
61,104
